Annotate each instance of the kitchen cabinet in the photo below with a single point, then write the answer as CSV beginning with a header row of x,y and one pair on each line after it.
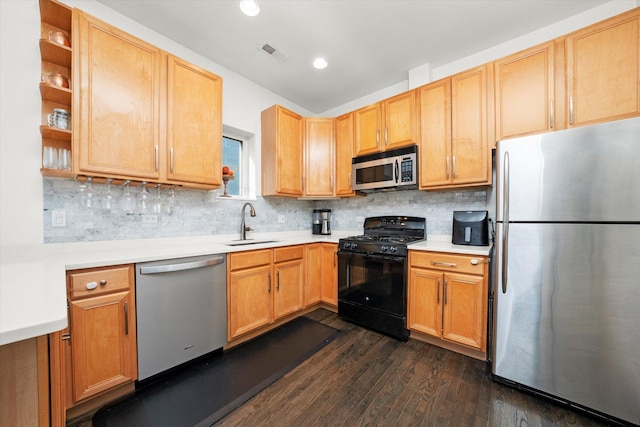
x,y
389,124
319,157
321,273
55,55
344,154
455,131
135,109
263,286
282,152
525,92
448,297
603,70
97,352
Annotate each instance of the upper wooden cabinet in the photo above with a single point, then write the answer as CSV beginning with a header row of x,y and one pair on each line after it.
x,y
282,152
140,113
389,124
603,71
319,157
525,99
454,127
344,154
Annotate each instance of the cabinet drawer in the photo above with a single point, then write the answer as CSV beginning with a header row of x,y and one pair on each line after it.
x,y
287,253
240,260
98,281
448,262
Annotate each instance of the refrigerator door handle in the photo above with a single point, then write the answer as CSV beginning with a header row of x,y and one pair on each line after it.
x,y
505,218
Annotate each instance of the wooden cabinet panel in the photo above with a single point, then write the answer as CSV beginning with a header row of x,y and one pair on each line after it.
x,y
367,129
249,299
194,124
524,84
289,287
465,310
435,139
319,155
313,273
425,309
603,70
109,280
449,262
103,343
282,157
117,119
329,265
240,260
288,253
344,154
401,120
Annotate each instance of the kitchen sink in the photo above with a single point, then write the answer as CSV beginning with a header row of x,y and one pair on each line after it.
x,y
249,242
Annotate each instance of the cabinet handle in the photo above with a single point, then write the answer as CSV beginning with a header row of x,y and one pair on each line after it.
x,y
570,109
126,318
551,113
386,136
277,280
157,159
444,264
66,337
103,282
448,167
171,159
445,292
335,258
378,138
269,288
438,292
331,181
455,167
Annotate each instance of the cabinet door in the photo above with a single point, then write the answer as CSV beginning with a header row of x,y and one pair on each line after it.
x,y
524,85
249,299
344,154
603,71
470,161
319,156
425,301
329,265
313,273
367,129
465,310
194,124
435,134
400,120
117,96
289,285
103,343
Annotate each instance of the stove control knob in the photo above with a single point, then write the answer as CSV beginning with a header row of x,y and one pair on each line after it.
x,y
383,248
393,249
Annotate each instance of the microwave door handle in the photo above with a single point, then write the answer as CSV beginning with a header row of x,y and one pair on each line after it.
x,y
397,171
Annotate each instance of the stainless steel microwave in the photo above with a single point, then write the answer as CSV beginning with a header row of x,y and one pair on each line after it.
x,y
389,170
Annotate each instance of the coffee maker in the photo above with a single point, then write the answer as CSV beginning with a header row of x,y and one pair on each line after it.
x,y
321,223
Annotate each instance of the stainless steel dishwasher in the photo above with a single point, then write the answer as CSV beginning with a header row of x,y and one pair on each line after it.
x,y
181,309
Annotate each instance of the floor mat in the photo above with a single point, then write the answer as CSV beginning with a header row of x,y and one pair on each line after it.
x,y
204,392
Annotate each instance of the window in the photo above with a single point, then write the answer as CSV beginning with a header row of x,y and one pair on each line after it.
x,y
232,157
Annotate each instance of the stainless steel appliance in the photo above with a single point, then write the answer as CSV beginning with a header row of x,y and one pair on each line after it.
x,y
567,295
389,170
325,221
372,273
181,311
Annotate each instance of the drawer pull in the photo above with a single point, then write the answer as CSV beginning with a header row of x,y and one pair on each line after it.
x,y
91,285
126,318
474,262
444,264
103,282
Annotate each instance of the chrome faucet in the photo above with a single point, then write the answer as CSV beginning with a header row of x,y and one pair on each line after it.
x,y
243,228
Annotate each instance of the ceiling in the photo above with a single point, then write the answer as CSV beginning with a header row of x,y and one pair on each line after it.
x,y
369,45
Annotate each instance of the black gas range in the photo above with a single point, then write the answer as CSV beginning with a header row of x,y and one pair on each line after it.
x,y
372,273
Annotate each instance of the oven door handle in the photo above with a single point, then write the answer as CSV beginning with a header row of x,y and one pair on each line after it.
x,y
398,259
397,171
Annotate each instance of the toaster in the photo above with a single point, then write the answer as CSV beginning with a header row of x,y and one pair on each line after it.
x,y
470,228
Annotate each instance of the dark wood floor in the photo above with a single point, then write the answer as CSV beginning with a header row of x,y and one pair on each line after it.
x,y
364,378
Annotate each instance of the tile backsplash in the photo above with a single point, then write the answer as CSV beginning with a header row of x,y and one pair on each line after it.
x,y
198,213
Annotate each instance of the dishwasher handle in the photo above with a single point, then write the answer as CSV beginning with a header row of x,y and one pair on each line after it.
x,y
167,268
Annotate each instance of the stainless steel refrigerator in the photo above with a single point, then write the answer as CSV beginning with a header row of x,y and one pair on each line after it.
x,y
567,282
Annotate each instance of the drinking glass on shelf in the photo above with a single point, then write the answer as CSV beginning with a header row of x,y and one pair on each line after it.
x,y
108,201
172,202
89,194
50,158
143,199
64,159
127,201
157,203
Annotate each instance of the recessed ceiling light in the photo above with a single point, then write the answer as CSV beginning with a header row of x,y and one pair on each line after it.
x,y
320,63
249,7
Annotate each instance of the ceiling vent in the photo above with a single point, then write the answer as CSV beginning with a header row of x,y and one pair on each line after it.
x,y
274,53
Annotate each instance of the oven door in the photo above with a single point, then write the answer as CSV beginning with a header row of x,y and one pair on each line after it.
x,y
372,292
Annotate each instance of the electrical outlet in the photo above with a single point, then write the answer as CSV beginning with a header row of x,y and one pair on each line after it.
x,y
149,219
280,219
58,218
359,219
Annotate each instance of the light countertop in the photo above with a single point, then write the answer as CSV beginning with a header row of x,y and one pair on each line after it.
x,y
32,278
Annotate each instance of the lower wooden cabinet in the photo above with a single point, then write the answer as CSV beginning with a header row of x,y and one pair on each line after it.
x,y
97,352
448,297
322,274
263,286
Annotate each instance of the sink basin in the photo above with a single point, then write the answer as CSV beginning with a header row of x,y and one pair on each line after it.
x,y
248,242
